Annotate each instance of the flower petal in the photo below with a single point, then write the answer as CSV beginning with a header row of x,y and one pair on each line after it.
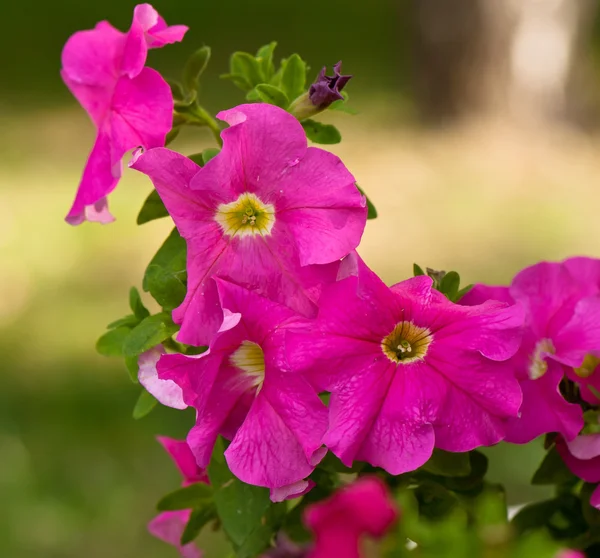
x,y
166,392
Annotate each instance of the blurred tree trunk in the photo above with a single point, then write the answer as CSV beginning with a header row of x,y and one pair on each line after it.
x,y
526,59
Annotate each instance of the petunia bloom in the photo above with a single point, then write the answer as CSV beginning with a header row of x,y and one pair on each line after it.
x,y
562,332
260,214
130,105
239,388
169,526
408,370
582,457
340,522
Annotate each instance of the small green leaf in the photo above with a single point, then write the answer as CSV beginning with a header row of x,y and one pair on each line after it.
x,y
244,65
463,292
172,135
128,321
148,333
535,516
449,285
552,470
194,496
144,405
342,106
176,90
417,270
111,343
293,76
264,57
321,133
239,81
198,519
448,464
248,516
272,95
209,153
332,464
131,363
253,96
153,208
136,304
197,158
165,277
371,211
194,68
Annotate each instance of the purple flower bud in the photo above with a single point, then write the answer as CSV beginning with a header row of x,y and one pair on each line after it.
x,y
326,89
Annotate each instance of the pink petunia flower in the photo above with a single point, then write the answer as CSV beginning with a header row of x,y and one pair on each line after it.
x,y
130,105
169,526
408,370
340,522
582,457
239,388
260,214
562,331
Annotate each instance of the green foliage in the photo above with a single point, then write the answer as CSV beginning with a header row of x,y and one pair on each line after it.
x,y
111,343
371,211
209,153
448,464
273,95
144,405
321,133
150,332
293,76
194,496
448,283
153,208
553,470
198,519
165,278
194,68
247,515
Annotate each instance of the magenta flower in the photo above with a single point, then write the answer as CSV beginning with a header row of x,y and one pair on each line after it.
x,y
241,390
562,329
129,104
582,457
259,214
340,522
408,370
169,526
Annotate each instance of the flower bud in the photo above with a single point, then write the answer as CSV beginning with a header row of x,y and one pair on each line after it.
x,y
324,91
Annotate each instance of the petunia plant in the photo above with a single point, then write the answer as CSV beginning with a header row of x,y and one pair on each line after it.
x,y
331,409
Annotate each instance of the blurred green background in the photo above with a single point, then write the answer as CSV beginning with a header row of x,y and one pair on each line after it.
x,y
463,179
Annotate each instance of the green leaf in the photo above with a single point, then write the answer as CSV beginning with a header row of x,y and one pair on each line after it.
x,y
174,132
194,496
209,153
332,464
165,277
198,519
153,208
197,158
194,68
128,321
245,66
264,57
272,95
131,363
248,516
176,90
136,304
111,343
253,96
239,81
535,516
417,270
448,464
144,405
463,292
449,285
148,333
371,211
590,513
293,76
552,470
321,133
342,106
474,481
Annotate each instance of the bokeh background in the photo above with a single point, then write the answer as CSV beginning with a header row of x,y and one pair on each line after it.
x,y
477,140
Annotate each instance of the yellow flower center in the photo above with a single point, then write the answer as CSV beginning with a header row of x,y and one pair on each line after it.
x,y
407,343
538,365
250,359
246,216
590,362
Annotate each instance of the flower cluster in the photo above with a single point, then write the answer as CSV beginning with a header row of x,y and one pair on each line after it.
x,y
297,347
